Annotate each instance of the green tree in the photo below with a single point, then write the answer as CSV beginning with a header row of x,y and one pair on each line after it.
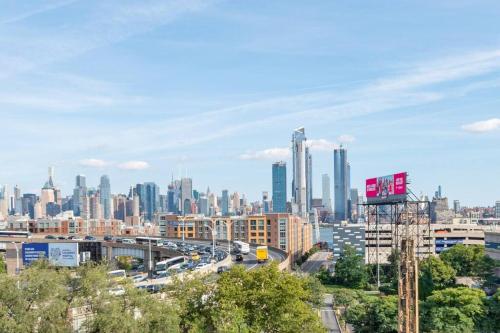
x,y
453,310
350,269
434,274
324,276
491,322
261,300
3,266
469,260
374,314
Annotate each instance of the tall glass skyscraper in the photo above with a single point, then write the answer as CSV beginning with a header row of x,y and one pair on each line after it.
x,y
309,187
341,180
152,200
279,187
186,195
79,193
225,203
326,197
299,182
105,194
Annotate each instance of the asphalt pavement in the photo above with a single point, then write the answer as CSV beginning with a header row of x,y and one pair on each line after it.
x,y
313,264
328,315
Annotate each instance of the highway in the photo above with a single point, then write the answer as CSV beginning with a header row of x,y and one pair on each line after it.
x,y
313,264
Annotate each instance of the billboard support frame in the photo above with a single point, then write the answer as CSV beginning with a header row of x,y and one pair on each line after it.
x,y
410,230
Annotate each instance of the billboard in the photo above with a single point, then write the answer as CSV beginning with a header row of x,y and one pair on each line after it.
x,y
388,189
58,254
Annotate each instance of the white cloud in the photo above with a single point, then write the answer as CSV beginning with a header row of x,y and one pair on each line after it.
x,y
483,126
134,165
93,163
321,145
345,138
267,154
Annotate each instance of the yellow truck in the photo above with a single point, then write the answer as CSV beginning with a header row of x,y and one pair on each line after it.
x,y
262,254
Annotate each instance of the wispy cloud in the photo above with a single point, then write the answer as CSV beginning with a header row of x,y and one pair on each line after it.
x,y
93,163
40,10
321,145
483,126
346,138
134,165
267,154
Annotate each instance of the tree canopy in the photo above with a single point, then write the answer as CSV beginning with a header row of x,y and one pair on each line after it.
x,y
374,314
469,260
350,269
453,310
434,274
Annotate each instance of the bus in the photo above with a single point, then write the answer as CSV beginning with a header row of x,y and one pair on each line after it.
x,y
243,248
163,266
16,234
145,241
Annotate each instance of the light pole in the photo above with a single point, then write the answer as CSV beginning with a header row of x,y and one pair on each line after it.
x,y
214,234
17,263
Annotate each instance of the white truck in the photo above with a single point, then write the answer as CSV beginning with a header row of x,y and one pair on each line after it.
x,y
242,247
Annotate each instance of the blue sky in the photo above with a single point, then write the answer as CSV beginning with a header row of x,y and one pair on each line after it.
x,y
143,89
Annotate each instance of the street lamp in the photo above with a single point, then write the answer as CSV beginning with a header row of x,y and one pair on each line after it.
x,y
214,234
17,263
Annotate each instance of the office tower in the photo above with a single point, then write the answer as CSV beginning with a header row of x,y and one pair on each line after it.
x,y
299,182
225,203
29,201
236,201
186,195
203,205
279,187
17,201
79,193
354,204
105,197
173,197
497,209
151,201
456,206
341,175
326,199
309,186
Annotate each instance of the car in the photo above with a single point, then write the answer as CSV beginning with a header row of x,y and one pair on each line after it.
x,y
222,269
108,238
139,278
50,237
195,256
239,257
61,237
161,275
75,238
90,238
128,241
201,265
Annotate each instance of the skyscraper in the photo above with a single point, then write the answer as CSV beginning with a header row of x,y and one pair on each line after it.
x,y
326,199
151,200
309,187
354,205
79,193
279,187
341,180
456,206
225,203
266,203
497,209
186,195
105,197
299,182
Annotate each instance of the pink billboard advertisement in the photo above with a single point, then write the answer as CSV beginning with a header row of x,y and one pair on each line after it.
x,y
386,188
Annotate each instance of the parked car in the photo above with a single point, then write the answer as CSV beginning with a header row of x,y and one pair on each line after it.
x,y
222,269
239,257
61,237
90,238
50,237
128,241
108,238
139,278
202,265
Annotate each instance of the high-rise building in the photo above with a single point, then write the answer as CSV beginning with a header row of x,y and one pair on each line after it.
x,y
186,195
105,197
266,203
79,193
236,202
309,177
225,203
456,207
279,187
203,205
151,200
354,205
299,182
29,201
326,199
18,201
341,180
4,202
497,209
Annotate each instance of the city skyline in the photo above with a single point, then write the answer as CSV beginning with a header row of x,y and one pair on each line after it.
x,y
173,86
